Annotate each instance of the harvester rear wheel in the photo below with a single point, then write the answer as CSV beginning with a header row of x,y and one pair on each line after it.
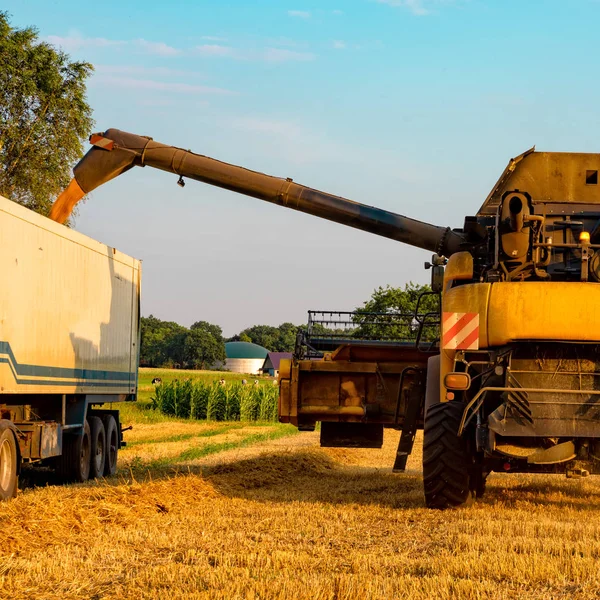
x,y
74,462
97,447
446,462
9,466
112,445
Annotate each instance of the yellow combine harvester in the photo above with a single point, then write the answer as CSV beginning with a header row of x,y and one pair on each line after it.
x,y
513,381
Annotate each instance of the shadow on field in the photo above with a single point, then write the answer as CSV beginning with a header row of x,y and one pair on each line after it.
x,y
304,476
314,477
543,490
32,477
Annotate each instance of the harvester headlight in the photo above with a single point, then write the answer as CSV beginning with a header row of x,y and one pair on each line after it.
x,y
584,237
457,381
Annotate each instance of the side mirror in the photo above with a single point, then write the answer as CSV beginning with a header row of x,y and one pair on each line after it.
x,y
437,272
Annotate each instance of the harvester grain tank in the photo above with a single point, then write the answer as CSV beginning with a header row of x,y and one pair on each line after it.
x,y
512,383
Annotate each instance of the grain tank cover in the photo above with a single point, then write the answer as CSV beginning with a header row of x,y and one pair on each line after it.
x,y
549,178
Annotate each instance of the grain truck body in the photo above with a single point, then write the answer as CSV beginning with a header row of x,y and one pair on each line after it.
x,y
69,329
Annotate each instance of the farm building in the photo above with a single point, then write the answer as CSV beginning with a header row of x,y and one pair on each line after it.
x,y
245,357
271,364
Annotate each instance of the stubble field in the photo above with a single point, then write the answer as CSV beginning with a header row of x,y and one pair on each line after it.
x,y
257,510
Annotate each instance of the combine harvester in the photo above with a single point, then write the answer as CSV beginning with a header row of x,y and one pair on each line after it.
x,y
513,383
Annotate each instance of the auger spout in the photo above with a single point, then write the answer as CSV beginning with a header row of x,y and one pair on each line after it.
x,y
115,152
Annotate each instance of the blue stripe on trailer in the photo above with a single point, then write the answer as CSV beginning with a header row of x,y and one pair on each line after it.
x,y
57,375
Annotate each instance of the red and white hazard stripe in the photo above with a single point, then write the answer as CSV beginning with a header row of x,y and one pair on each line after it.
x,y
101,142
460,331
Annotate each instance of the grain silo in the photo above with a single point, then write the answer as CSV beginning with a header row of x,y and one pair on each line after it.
x,y
245,357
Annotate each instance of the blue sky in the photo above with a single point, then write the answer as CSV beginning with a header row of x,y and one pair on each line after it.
x,y
412,105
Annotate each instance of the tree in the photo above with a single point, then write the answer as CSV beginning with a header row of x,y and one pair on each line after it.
x,y
286,341
44,117
263,335
398,306
274,339
168,344
161,342
204,346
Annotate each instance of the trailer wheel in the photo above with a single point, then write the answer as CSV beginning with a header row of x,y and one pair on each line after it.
x,y
74,462
9,465
112,445
97,447
446,462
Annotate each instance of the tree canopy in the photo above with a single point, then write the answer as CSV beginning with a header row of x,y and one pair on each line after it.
x,y
397,301
274,339
44,116
168,344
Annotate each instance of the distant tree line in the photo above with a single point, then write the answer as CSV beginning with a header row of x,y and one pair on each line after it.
x,y
274,339
168,344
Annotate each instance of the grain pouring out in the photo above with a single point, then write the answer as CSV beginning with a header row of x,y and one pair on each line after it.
x,y
65,203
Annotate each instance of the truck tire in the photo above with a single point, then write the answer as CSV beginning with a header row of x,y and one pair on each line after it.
x,y
9,462
446,461
73,465
112,445
97,447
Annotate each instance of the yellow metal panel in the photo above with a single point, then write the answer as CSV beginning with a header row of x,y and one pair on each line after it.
x,y
294,383
284,400
543,311
512,311
459,267
285,368
470,298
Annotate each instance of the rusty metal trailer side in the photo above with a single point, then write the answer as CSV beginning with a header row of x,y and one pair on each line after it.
x,y
356,392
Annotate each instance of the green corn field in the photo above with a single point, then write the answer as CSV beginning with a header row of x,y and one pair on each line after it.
x,y
212,401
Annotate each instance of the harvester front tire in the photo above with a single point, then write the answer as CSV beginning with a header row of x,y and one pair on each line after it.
x,y
112,445
9,464
73,465
446,461
97,447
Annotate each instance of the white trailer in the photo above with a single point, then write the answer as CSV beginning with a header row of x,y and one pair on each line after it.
x,y
69,343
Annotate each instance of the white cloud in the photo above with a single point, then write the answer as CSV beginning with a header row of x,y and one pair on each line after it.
x,y
300,144
75,41
158,48
137,70
418,7
270,126
339,44
216,50
151,84
213,38
272,55
278,55
300,14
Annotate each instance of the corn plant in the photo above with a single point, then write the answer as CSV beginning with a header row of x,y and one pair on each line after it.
x,y
213,401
